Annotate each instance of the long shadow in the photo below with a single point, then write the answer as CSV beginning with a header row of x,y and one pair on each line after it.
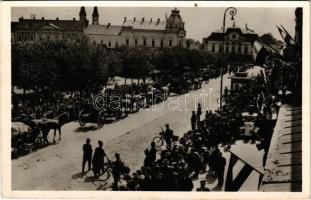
x,y
85,129
78,175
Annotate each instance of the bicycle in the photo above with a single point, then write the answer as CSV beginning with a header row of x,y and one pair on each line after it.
x,y
107,171
159,140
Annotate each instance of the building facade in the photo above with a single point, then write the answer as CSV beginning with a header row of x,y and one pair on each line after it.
x,y
237,41
150,33
139,32
34,30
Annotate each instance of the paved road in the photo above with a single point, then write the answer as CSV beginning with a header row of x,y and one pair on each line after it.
x,y
58,166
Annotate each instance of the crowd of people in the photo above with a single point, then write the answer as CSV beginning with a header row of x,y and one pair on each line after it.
x,y
198,150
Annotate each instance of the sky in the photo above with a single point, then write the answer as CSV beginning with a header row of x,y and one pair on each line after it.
x,y
199,21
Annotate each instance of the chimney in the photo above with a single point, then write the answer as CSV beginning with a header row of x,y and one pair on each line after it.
x,y
32,15
233,24
142,19
42,18
57,18
134,19
246,26
150,20
74,19
108,25
158,21
21,18
124,19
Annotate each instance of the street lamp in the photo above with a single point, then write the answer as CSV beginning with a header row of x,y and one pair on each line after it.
x,y
232,12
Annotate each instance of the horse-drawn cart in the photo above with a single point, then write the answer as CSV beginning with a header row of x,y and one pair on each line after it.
x,y
23,138
93,116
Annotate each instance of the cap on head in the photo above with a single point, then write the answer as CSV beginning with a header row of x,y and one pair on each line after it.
x,y
100,143
167,125
117,155
88,140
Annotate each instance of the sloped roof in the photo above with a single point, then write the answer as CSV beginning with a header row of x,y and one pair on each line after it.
x,y
35,24
218,35
243,30
147,24
103,30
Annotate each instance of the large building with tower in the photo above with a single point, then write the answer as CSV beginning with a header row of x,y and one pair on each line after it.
x,y
133,32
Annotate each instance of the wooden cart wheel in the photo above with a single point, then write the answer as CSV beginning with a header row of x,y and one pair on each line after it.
x,y
81,121
101,119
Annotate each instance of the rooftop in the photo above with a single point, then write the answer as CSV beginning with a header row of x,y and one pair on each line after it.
x,y
154,24
103,29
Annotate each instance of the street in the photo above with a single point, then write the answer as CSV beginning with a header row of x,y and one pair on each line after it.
x,y
58,166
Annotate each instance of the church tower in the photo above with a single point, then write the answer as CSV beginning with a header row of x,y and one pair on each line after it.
x,y
82,14
95,16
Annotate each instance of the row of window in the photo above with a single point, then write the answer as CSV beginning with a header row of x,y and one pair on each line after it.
x,y
233,49
144,42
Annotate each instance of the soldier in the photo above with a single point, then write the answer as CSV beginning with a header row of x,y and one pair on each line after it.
x,y
193,120
98,159
87,154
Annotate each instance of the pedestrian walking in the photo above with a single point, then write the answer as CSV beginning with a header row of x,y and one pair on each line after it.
x,y
87,154
117,167
193,120
98,159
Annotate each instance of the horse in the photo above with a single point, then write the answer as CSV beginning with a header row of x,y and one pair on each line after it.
x,y
166,90
47,124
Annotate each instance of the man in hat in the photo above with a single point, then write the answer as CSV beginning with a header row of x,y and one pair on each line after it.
x,y
87,154
98,159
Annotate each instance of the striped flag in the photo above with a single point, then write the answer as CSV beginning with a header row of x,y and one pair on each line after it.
x,y
260,53
236,183
263,51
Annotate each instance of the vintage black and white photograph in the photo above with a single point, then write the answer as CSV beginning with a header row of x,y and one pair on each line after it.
x,y
201,99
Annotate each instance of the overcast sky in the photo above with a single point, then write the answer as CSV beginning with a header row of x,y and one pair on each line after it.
x,y
199,21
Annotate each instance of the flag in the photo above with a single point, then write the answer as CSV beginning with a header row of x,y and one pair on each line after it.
x,y
286,36
235,184
260,53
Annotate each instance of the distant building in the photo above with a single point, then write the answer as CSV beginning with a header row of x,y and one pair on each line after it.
x,y
237,41
33,30
143,32
149,33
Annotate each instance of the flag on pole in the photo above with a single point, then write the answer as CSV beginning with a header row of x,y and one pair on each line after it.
x,y
286,36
